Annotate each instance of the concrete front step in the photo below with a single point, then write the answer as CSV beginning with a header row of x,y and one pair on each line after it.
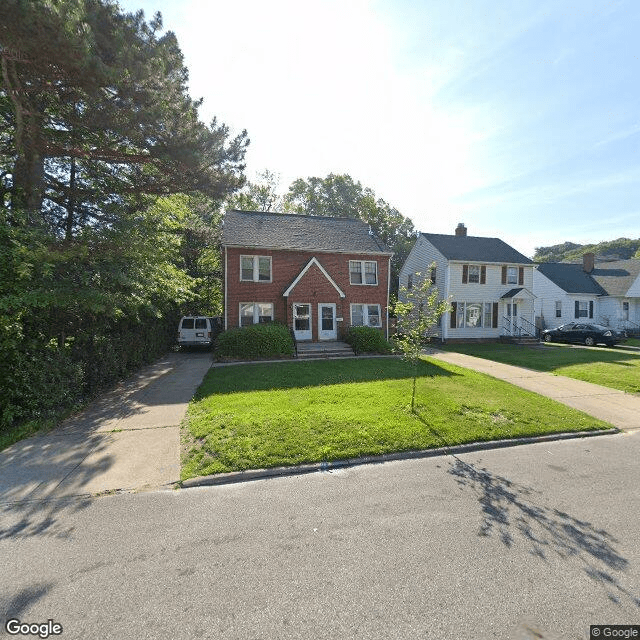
x,y
324,350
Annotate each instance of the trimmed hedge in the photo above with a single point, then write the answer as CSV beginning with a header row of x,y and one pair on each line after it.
x,y
367,340
255,341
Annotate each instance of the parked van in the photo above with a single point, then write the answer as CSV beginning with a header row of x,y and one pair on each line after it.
x,y
198,331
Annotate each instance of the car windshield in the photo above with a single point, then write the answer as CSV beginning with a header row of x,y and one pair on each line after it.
x,y
599,327
566,327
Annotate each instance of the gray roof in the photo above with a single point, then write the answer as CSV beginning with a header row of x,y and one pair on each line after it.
x,y
475,249
512,293
571,278
616,277
263,230
607,278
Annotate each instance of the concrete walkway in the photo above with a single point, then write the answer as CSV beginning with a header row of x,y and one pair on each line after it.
x,y
620,409
129,439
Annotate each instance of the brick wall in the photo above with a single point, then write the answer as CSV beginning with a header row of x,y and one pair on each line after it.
x,y
313,288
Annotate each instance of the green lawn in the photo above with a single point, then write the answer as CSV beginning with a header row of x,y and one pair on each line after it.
x,y
617,368
265,415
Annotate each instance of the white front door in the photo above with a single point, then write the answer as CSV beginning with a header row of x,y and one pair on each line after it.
x,y
302,321
512,317
327,329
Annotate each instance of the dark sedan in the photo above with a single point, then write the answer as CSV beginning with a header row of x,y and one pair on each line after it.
x,y
584,333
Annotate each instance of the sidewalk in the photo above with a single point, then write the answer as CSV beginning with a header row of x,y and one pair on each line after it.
x,y
620,409
129,439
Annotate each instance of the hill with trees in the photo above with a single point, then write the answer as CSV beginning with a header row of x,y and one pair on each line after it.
x,y
622,248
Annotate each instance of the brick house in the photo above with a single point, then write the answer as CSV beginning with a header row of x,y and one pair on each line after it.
x,y
318,275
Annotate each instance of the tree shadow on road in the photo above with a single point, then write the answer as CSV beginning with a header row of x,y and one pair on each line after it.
x,y
510,512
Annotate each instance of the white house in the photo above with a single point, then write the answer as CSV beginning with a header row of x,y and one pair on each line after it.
x,y
607,292
489,284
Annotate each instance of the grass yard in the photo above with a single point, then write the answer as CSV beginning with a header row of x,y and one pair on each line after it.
x,y
617,368
264,415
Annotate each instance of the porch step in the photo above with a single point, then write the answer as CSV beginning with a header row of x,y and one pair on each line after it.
x,y
519,340
324,350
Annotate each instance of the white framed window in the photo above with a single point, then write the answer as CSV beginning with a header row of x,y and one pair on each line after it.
x,y
473,315
255,313
363,272
255,268
365,315
474,273
582,308
512,275
488,314
625,309
558,308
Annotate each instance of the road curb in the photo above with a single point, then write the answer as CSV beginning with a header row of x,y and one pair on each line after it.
x,y
278,472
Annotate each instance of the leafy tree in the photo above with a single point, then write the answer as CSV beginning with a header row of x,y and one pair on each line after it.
x,y
419,311
341,196
622,248
260,195
98,104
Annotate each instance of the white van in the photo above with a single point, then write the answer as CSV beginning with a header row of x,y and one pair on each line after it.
x,y
198,331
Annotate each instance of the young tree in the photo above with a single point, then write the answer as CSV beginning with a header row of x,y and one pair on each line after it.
x,y
419,311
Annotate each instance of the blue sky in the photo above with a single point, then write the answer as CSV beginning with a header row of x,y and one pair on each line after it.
x,y
520,119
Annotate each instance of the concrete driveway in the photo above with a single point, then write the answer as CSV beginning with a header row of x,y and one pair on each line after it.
x,y
129,439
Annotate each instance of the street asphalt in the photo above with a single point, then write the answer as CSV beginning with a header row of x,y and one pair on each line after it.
x,y
531,542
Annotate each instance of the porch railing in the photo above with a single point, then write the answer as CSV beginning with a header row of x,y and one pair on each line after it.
x,y
519,326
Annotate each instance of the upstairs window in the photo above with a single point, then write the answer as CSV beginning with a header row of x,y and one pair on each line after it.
x,y
512,275
255,268
363,272
432,275
472,274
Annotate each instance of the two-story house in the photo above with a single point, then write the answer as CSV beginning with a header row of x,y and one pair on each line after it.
x,y
606,292
318,275
488,282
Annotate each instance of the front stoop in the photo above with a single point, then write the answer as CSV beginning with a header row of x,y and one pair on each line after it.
x,y
328,349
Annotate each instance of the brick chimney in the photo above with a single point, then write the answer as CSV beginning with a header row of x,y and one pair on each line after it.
x,y
588,262
461,230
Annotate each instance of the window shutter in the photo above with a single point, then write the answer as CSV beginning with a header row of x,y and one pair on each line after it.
x,y
591,308
521,275
504,275
495,315
483,275
453,314
577,315
465,273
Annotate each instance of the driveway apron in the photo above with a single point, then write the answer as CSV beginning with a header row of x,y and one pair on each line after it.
x,y
620,409
129,439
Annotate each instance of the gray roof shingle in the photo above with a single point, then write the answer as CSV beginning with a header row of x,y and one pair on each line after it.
x,y
263,230
571,278
475,249
607,278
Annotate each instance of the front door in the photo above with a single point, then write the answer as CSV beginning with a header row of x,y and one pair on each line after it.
x,y
327,329
512,318
302,321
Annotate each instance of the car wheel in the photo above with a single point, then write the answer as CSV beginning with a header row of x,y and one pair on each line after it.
x,y
589,341
547,337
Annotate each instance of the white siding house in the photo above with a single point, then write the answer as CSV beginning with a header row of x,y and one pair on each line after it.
x,y
488,283
607,293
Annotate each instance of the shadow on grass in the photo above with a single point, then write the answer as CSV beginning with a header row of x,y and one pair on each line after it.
x,y
547,357
510,512
316,373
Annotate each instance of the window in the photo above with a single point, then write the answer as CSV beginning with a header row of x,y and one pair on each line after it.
x,y
255,268
410,282
474,273
187,323
558,308
363,272
625,309
255,313
582,309
473,314
365,315
201,323
432,275
512,275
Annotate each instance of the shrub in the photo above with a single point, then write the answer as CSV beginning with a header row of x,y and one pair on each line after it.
x,y
256,341
367,340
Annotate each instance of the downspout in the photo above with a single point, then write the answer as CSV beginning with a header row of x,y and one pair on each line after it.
x,y
388,287
226,307
445,316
